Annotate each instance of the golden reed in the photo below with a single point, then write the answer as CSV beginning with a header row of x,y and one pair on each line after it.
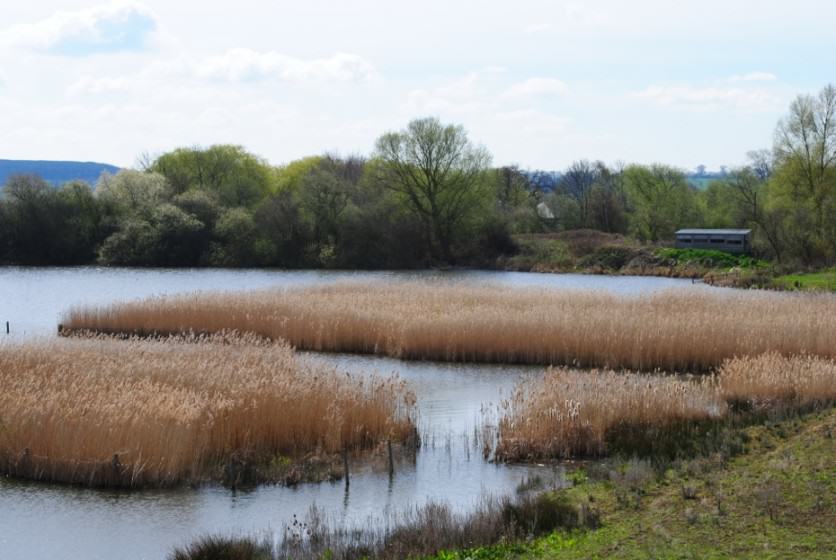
x,y
133,413
571,413
691,330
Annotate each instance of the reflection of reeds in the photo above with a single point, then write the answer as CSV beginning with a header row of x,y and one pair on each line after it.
x,y
133,413
570,413
683,330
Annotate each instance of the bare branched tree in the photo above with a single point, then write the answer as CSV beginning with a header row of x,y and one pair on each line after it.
x,y
438,172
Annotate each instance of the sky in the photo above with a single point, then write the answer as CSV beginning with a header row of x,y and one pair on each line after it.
x,y
539,83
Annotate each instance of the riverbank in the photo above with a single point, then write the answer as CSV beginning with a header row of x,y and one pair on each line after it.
x,y
768,493
774,500
594,252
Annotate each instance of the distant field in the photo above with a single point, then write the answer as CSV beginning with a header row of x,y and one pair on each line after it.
x,y
701,183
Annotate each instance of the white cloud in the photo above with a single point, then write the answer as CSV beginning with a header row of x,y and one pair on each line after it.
x,y
123,25
234,67
754,77
533,122
708,98
535,87
95,86
538,28
238,65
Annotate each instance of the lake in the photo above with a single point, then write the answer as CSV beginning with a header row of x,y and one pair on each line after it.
x,y
40,521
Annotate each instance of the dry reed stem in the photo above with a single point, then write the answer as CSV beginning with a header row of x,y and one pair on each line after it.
x,y
772,378
570,413
174,410
674,331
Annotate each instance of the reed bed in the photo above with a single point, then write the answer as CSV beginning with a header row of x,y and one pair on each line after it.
x,y
685,330
137,413
772,379
570,413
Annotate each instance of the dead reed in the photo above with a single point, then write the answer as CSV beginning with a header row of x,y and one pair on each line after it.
x,y
136,413
691,330
570,413
771,379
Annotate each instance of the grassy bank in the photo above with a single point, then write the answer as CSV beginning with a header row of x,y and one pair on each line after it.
x,y
596,252
771,497
684,330
775,500
824,281
570,413
102,412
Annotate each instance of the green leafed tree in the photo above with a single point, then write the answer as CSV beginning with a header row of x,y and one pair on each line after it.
x,y
132,193
803,185
661,201
236,233
235,176
439,175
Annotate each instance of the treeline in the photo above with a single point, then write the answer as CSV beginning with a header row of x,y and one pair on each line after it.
x,y
426,196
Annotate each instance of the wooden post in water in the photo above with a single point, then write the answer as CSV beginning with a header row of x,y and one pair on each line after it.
x,y
391,461
345,465
7,327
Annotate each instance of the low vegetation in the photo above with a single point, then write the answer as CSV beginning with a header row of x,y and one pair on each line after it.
x,y
682,331
134,413
770,497
824,281
570,413
415,533
596,252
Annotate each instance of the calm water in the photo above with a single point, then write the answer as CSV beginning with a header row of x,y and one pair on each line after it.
x,y
46,521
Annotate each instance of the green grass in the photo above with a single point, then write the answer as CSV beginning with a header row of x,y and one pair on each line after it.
x,y
710,258
776,500
813,281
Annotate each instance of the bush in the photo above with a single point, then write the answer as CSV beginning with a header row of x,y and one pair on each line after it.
x,y
709,258
609,258
223,548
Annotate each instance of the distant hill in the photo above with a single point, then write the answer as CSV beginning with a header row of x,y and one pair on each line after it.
x,y
55,172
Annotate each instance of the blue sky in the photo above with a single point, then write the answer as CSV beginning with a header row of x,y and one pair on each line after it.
x,y
539,83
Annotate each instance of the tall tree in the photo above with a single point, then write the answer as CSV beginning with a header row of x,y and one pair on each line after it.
x,y
577,183
661,201
805,174
235,176
439,174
